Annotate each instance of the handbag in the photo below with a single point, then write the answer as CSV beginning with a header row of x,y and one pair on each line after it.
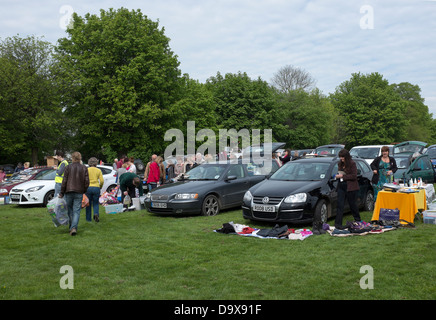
x,y
389,214
85,201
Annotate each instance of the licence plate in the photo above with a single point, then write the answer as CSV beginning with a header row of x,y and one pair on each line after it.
x,y
159,204
259,207
15,196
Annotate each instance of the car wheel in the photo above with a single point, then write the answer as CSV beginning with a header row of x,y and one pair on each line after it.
x,y
49,196
321,211
110,188
211,206
368,204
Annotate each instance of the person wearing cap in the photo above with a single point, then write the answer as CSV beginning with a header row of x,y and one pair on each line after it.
x,y
59,171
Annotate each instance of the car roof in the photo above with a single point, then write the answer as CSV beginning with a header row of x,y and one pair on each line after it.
x,y
373,146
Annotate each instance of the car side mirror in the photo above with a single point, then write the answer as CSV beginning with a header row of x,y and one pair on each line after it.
x,y
231,178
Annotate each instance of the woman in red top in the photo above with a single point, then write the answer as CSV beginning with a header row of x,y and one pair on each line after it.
x,y
153,176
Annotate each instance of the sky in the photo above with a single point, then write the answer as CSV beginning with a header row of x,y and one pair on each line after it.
x,y
330,39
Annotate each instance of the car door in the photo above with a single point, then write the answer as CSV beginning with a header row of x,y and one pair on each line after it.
x,y
333,189
362,177
235,188
422,168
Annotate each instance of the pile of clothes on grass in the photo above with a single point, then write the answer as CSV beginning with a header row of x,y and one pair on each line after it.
x,y
362,228
277,232
111,197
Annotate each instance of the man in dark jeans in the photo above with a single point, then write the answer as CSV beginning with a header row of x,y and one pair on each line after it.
x,y
74,185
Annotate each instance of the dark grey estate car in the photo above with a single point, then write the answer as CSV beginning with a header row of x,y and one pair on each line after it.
x,y
208,188
304,190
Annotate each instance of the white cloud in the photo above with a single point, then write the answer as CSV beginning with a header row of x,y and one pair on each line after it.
x,y
260,36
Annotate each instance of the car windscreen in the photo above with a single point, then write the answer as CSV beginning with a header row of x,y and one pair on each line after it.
x,y
408,148
328,150
302,171
206,172
46,175
365,153
402,162
431,153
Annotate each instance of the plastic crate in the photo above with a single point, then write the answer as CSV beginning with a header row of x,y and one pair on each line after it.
x,y
114,208
429,217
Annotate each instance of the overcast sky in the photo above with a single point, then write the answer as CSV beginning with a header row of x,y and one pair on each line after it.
x,y
330,39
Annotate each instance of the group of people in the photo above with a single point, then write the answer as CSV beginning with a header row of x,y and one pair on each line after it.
x,y
383,166
75,180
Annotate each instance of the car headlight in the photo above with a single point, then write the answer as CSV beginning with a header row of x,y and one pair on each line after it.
x,y
248,196
3,191
186,196
33,189
296,198
148,196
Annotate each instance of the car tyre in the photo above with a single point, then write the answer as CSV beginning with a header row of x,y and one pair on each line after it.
x,y
48,196
368,204
211,206
321,211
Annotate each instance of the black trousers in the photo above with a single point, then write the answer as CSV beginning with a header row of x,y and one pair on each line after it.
x,y
351,197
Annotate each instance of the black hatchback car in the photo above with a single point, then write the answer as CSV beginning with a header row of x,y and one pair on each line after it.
x,y
304,190
208,188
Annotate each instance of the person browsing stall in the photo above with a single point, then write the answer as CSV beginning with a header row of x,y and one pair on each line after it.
x,y
348,187
383,167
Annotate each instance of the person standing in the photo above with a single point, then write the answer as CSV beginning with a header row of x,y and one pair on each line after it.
x,y
348,187
59,171
75,182
96,181
383,167
154,175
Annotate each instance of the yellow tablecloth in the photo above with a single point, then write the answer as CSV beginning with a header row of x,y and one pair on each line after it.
x,y
407,203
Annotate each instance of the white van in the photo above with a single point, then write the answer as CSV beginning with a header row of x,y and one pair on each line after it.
x,y
369,153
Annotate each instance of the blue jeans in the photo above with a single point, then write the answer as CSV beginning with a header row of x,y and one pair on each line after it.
x,y
74,205
93,194
57,189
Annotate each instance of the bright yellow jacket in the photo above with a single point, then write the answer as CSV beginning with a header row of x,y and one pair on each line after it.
x,y
95,177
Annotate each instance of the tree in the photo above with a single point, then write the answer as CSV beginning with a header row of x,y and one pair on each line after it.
x,y
290,78
308,119
124,81
31,117
420,125
370,110
243,103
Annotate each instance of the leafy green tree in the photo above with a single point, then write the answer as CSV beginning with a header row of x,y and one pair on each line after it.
x,y
420,125
370,110
31,117
124,81
243,103
308,118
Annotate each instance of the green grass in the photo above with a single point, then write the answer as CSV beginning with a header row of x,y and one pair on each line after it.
x,y
137,255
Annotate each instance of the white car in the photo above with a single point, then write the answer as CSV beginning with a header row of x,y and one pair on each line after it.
x,y
369,153
41,189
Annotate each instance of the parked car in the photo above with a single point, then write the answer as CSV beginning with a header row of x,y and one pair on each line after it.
x,y
329,149
41,189
414,166
304,190
37,191
409,147
208,188
431,152
20,177
259,150
369,153
8,169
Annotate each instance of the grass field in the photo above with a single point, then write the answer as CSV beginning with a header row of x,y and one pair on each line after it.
x,y
137,255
